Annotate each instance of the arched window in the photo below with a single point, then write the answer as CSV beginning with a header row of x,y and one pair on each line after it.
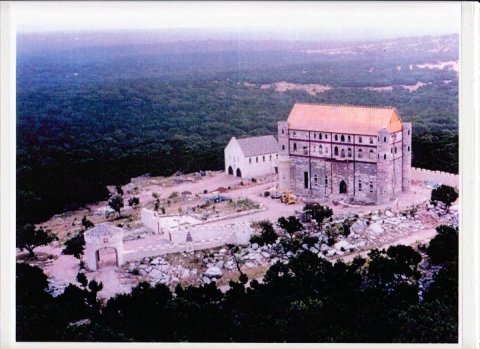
x,y
348,138
256,159
250,160
342,153
409,132
283,147
294,146
349,152
320,149
395,149
336,137
384,139
359,139
270,157
326,136
372,154
408,148
326,180
294,133
283,131
342,138
384,156
336,151
263,158
315,179
371,140
371,187
314,135
359,185
320,136
360,153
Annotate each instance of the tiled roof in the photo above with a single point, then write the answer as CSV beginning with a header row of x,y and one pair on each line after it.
x,y
344,118
101,231
260,145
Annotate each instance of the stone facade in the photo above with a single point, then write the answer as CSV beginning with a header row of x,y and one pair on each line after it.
x,y
322,163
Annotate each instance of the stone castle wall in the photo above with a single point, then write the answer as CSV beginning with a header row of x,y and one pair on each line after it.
x,y
203,237
420,174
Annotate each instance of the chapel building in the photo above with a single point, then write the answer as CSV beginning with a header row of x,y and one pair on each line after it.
x,y
251,157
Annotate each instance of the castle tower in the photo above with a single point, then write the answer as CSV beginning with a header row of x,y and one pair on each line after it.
x,y
384,167
406,155
283,156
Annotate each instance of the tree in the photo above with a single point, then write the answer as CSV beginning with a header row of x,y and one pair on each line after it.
x,y
28,238
116,203
267,234
445,194
75,245
318,212
444,246
87,224
119,189
31,284
134,201
290,225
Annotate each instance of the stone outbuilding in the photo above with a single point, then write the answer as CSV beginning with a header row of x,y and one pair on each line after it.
x,y
103,236
251,157
347,152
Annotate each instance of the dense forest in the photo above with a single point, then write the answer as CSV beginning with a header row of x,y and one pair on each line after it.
x,y
90,116
309,299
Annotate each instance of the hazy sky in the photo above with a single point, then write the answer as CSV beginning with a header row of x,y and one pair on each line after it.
x,y
336,18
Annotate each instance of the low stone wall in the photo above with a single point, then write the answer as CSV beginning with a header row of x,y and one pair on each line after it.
x,y
203,237
421,174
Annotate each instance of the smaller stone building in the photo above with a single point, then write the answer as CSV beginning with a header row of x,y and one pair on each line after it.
x,y
251,157
103,236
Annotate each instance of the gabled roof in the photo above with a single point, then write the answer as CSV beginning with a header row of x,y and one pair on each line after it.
x,y
344,118
260,145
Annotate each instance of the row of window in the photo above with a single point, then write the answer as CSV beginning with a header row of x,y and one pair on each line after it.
x,y
336,137
270,158
360,183
342,138
319,149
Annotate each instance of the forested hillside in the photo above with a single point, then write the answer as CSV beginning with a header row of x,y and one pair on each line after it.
x,y
91,115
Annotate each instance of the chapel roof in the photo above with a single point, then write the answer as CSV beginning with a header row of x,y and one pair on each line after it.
x,y
336,118
260,145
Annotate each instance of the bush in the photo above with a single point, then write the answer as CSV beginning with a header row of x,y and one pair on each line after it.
x,y
445,194
267,234
75,246
318,212
444,246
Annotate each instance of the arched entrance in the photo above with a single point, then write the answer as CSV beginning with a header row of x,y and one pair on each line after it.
x,y
343,187
230,170
239,173
106,257
103,246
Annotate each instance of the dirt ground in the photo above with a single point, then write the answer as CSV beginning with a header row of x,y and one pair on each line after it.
x,y
63,269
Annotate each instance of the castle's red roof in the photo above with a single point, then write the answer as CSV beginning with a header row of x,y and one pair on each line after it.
x,y
344,118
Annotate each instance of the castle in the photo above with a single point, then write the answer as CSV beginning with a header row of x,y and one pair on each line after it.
x,y
352,153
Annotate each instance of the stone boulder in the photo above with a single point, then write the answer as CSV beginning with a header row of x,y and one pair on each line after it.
x,y
213,272
358,227
376,228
